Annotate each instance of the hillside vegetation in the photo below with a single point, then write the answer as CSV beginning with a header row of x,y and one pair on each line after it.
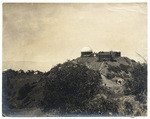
x,y
81,87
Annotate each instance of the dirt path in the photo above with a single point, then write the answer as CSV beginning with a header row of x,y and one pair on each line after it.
x,y
118,89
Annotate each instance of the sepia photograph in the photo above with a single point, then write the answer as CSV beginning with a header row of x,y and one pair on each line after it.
x,y
74,59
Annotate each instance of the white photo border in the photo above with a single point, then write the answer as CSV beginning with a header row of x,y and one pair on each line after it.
x,y
76,1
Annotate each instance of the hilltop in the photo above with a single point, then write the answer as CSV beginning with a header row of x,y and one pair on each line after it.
x,y
81,86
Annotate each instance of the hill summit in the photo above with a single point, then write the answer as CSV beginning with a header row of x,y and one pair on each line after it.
x,y
83,86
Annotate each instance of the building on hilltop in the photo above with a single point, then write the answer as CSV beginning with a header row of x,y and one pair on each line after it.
x,y
87,52
102,56
108,56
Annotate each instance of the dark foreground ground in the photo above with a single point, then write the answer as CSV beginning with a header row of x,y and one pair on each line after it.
x,y
81,87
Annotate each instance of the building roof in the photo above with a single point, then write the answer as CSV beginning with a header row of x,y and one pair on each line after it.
x,y
86,49
104,53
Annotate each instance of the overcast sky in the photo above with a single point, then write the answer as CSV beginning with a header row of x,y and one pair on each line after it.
x,y
56,32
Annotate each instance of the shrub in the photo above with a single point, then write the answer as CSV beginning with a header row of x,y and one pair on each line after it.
x,y
70,87
103,106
